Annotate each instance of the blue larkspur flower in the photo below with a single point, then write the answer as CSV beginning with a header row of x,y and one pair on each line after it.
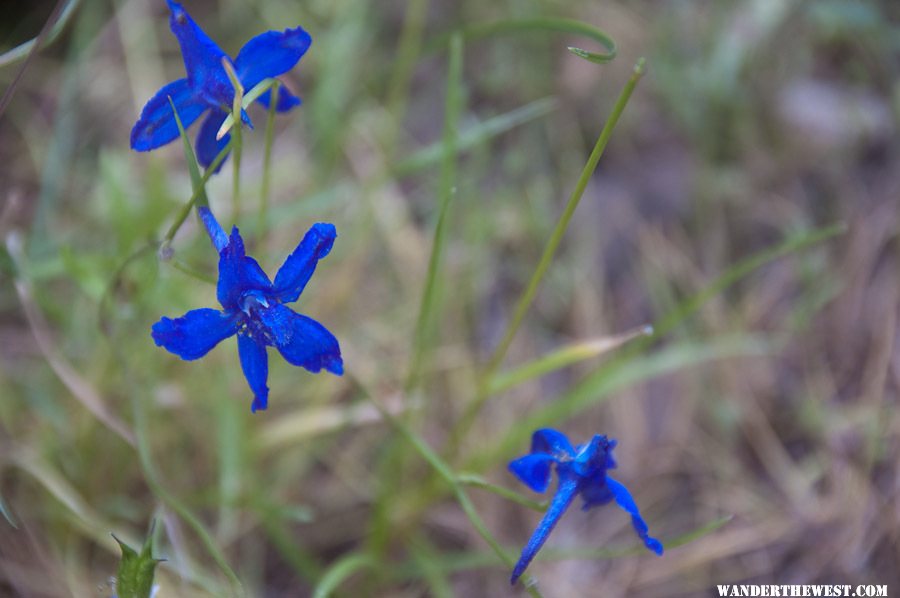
x,y
254,309
207,87
581,470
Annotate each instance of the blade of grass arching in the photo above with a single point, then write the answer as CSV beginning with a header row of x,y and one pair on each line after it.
x,y
475,135
237,144
561,358
55,17
267,160
21,51
342,570
424,323
569,26
556,237
476,481
617,375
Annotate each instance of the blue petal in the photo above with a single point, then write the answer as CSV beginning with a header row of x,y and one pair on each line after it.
x,y
561,501
238,273
302,341
195,333
286,100
533,470
270,54
624,500
553,443
595,457
157,125
255,363
213,229
208,147
202,59
300,265
595,492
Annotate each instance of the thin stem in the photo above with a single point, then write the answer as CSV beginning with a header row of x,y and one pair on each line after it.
x,y
198,197
236,110
267,159
476,481
553,244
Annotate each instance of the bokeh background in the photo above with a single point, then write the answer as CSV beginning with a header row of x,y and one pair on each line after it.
x,y
761,433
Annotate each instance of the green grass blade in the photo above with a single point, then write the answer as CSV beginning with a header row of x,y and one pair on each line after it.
x,y
556,237
21,51
341,571
540,24
617,376
475,135
428,305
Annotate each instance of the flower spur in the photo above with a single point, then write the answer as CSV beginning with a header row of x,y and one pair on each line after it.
x,y
581,470
254,310
207,87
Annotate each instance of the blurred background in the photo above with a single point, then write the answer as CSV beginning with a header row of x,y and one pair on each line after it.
x,y
761,433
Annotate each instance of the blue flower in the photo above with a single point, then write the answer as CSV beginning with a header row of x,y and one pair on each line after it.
x,y
207,87
581,471
254,310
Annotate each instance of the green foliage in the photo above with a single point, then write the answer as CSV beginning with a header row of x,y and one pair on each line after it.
x,y
134,578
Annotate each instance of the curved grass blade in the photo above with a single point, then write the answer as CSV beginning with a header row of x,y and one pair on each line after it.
x,y
22,50
342,570
550,24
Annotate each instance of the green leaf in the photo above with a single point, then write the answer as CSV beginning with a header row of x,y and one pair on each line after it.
x,y
134,578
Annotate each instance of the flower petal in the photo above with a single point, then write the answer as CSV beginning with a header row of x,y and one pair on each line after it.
x,y
195,333
202,59
255,363
303,341
561,501
300,265
551,442
238,273
595,492
208,147
624,500
270,54
286,100
533,470
157,126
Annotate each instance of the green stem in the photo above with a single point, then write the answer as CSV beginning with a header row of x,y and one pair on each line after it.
x,y
267,160
236,109
198,197
476,481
